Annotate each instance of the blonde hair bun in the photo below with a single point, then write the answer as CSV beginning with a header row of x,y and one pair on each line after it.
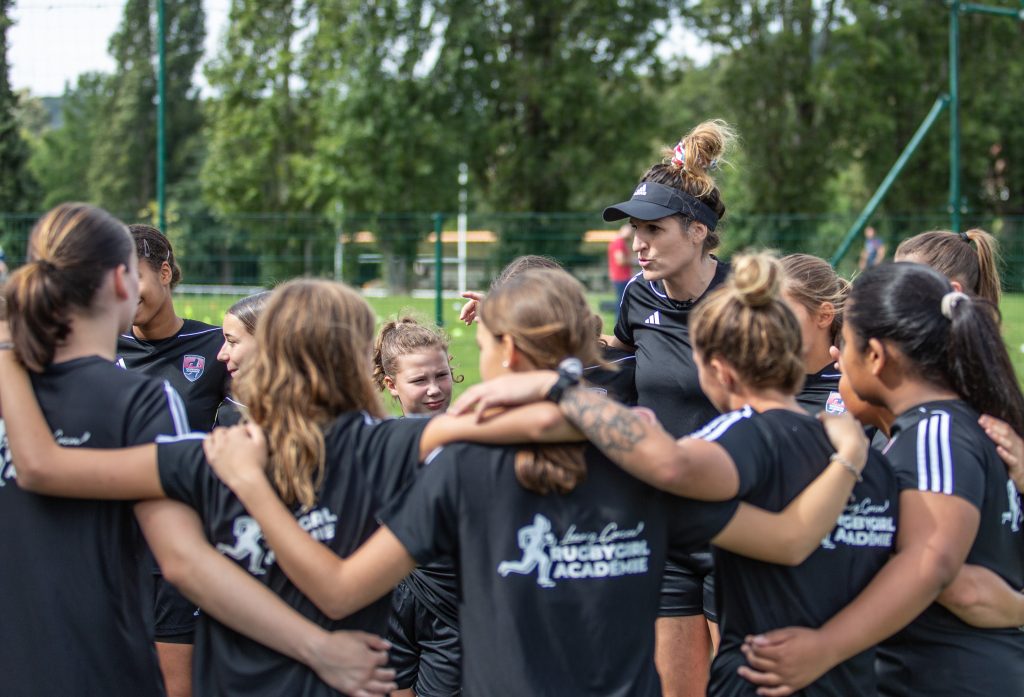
x,y
757,279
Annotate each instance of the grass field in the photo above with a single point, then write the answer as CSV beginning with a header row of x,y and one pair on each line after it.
x,y
210,309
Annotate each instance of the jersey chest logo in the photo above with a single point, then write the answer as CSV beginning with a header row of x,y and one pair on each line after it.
x,y
193,366
835,404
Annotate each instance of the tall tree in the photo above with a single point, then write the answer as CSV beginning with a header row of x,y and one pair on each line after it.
x,y
18,189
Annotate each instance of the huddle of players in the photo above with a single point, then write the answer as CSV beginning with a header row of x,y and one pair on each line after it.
x,y
559,553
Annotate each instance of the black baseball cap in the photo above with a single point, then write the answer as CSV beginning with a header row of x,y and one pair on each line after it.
x,y
651,201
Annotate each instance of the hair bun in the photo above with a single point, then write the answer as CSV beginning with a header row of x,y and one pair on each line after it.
x,y
757,279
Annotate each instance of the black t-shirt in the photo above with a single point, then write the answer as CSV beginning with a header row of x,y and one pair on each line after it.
x,y
368,462
558,593
618,383
229,413
777,454
75,612
666,374
821,392
939,447
188,360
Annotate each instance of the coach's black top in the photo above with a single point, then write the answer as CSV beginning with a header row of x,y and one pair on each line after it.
x,y
558,593
777,454
188,360
75,614
821,392
618,381
666,374
939,447
368,462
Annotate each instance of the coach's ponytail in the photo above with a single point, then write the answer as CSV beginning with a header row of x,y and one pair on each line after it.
x,y
949,339
970,258
70,251
545,312
746,324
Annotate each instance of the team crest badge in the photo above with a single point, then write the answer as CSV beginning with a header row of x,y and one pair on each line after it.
x,y
835,405
192,367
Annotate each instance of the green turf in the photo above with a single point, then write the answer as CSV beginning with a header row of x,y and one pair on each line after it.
x,y
210,309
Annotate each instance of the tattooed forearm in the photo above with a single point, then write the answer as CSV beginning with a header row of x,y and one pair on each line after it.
x,y
614,429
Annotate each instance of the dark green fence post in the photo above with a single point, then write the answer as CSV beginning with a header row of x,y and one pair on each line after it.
x,y
438,270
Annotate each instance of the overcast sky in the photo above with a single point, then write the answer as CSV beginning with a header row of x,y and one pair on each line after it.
x,y
53,41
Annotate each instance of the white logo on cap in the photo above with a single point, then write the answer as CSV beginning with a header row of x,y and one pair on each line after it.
x,y
641,190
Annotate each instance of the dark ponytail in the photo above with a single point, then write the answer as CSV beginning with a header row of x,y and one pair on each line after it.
x,y
950,340
70,251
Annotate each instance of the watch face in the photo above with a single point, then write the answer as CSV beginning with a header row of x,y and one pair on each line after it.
x,y
572,367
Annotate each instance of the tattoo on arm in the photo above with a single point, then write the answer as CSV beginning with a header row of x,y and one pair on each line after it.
x,y
614,429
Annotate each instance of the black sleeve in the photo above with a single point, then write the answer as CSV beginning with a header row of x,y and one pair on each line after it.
x,y
184,473
390,452
424,517
156,410
623,331
693,524
744,442
935,458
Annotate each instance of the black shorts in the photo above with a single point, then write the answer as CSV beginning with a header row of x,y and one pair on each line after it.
x,y
683,588
425,650
175,615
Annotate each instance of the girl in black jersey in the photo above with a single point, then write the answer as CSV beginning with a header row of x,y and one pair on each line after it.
x,y
336,463
747,345
239,344
71,578
675,212
816,293
184,353
934,357
411,362
559,552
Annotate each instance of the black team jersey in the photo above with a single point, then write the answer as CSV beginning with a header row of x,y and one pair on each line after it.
x,y
821,392
777,454
939,447
188,360
229,413
558,593
618,382
666,375
368,462
74,609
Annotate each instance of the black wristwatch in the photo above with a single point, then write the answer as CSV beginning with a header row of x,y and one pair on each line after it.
x,y
570,371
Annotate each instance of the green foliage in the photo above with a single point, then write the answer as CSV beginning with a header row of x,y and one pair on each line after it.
x,y
18,189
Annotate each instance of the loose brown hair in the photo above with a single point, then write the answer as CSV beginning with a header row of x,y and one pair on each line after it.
x,y
812,281
704,149
70,251
546,314
402,336
951,254
154,249
313,344
746,324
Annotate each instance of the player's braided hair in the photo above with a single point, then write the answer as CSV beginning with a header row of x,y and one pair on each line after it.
x,y
154,250
70,251
546,314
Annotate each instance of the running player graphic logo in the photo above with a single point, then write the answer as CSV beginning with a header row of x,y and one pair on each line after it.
x,y
533,539
1013,516
248,536
6,467
192,367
